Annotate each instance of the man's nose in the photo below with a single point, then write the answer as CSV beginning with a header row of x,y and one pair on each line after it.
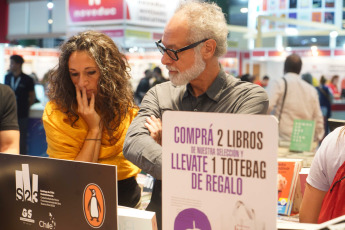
x,y
166,60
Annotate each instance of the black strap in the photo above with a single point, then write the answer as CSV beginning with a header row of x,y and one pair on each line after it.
x,y
338,181
325,94
285,90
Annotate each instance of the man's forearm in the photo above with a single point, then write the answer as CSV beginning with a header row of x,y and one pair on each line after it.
x,y
9,141
144,152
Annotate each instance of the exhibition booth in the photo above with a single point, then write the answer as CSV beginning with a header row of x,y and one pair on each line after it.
x,y
238,178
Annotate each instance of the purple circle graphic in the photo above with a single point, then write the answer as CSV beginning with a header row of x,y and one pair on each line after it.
x,y
192,219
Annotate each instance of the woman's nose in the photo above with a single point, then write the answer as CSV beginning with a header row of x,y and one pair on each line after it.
x,y
82,81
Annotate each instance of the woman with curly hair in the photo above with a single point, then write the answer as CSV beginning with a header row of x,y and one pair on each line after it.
x,y
90,108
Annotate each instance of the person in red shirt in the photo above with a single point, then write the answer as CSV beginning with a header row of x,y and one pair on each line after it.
x,y
264,82
333,86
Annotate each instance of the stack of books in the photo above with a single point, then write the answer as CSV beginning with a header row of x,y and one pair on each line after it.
x,y
288,185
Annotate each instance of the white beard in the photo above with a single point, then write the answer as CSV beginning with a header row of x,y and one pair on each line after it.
x,y
189,74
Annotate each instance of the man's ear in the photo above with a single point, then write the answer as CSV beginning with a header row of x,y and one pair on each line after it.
x,y
209,48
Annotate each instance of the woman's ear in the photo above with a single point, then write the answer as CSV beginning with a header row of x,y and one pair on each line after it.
x,y
209,48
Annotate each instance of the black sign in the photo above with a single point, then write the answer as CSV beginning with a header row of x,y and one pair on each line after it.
x,y
45,193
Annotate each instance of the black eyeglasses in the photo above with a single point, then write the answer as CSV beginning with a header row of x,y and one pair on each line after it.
x,y
173,53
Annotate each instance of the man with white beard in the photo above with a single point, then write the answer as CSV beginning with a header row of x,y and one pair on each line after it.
x,y
193,40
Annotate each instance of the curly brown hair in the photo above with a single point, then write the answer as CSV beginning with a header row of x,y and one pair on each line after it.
x,y
114,97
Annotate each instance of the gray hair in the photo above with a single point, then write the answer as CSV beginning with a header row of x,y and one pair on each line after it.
x,y
205,20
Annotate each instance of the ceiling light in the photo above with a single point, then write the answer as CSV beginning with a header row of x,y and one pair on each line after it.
x,y
291,31
333,34
50,5
244,10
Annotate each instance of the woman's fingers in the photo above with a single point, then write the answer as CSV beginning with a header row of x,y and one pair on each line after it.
x,y
84,98
86,108
92,102
79,100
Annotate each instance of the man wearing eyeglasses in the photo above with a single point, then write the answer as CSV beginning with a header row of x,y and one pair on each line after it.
x,y
193,40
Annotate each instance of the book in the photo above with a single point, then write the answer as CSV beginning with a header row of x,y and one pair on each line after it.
x,y
302,135
335,123
303,174
135,219
287,182
287,223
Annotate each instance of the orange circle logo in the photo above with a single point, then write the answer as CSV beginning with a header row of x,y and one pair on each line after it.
x,y
94,205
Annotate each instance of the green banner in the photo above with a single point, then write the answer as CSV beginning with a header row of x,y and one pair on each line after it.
x,y
137,34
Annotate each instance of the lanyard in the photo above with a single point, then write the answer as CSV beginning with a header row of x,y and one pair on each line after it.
x,y
14,85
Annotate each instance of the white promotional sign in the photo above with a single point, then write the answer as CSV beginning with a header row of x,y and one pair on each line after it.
x,y
150,12
219,171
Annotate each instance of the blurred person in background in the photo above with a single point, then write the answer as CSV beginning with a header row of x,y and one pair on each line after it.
x,y
91,106
292,98
143,86
247,77
9,129
264,82
24,89
333,86
308,78
343,88
325,98
157,76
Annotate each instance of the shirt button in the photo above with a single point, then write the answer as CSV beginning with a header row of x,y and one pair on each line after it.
x,y
195,110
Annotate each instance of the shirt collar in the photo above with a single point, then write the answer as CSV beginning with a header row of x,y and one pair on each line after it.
x,y
214,91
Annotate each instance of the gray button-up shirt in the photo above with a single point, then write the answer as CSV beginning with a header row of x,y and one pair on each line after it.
x,y
226,95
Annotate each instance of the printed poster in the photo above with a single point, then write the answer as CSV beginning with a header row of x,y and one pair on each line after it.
x,y
264,5
219,171
293,4
282,4
273,5
316,17
280,24
293,16
272,23
304,3
304,16
329,17
317,3
329,3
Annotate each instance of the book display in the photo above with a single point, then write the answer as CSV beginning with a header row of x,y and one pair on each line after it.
x,y
287,181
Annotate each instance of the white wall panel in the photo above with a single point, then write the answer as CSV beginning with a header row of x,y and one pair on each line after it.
x,y
38,23
59,16
18,18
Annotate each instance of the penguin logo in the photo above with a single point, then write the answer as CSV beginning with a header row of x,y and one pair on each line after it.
x,y
94,205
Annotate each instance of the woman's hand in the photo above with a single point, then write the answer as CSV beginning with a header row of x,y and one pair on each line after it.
x,y
91,147
87,110
154,125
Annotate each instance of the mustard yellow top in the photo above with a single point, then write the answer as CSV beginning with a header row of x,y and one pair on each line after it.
x,y
65,141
